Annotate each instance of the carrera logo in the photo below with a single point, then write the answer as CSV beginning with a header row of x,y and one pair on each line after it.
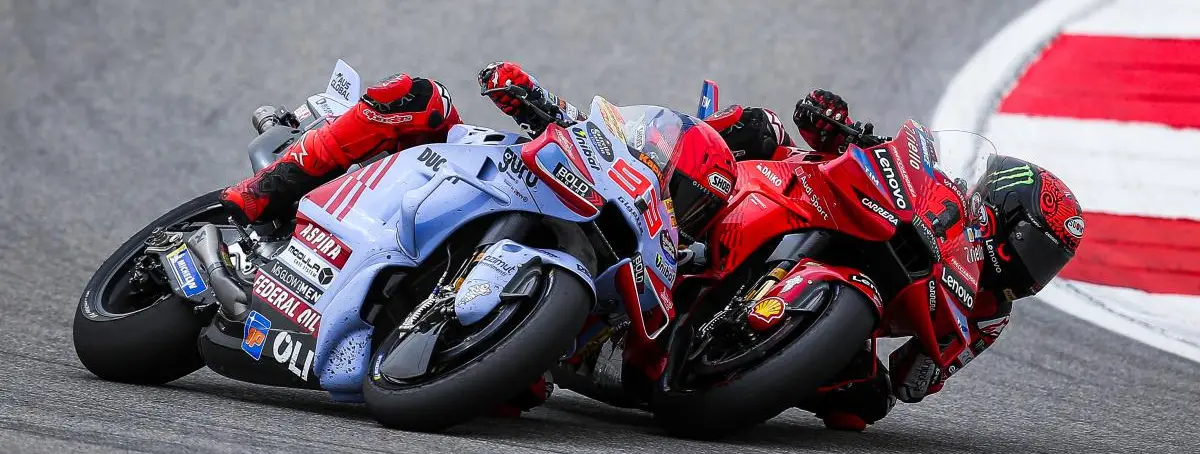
x,y
287,303
320,240
881,211
932,296
719,183
956,287
775,180
899,198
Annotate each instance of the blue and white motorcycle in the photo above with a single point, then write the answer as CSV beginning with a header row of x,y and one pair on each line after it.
x,y
433,284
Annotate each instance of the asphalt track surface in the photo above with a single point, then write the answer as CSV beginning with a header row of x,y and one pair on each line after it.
x,y
112,112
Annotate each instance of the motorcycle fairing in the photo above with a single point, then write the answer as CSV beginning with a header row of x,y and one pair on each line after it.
x,y
485,285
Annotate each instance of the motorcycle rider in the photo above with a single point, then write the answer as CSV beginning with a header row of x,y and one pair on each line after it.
x,y
403,111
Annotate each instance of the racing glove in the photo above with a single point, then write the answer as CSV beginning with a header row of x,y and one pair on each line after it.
x,y
500,74
821,135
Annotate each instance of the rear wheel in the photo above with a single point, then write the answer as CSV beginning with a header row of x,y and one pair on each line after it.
x,y
722,390
477,368
136,330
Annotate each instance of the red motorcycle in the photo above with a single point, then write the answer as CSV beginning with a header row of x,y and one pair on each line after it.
x,y
809,261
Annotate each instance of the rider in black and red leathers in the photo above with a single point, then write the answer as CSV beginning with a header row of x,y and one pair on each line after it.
x,y
404,111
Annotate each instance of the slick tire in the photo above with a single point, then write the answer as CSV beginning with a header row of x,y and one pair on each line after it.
x,y
512,364
778,382
119,341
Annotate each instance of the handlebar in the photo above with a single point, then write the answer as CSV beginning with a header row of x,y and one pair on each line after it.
x,y
520,93
863,135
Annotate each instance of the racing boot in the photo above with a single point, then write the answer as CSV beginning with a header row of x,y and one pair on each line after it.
x,y
396,113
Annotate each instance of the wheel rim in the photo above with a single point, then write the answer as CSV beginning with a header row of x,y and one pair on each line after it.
x,y
459,349
118,298
707,370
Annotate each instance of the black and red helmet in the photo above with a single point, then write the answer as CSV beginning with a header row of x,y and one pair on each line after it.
x,y
1030,223
701,177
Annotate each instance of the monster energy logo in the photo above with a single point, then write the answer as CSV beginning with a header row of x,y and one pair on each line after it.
x,y
1015,176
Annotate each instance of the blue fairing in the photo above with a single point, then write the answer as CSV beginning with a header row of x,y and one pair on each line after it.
x,y
398,211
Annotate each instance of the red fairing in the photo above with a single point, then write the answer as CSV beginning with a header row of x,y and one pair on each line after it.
x,y
787,292
890,192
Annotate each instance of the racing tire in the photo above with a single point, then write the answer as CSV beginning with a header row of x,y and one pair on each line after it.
x,y
778,382
515,361
117,339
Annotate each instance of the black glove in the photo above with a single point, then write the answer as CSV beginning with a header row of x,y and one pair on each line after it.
x,y
822,135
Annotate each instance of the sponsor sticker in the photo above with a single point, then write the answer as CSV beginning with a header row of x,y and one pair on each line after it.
x,y
581,140
768,310
312,267
512,164
288,350
298,285
881,211
184,267
332,249
639,272
719,183
287,303
866,282
258,326
612,119
1074,226
771,176
892,181
431,159
474,289
602,144
960,291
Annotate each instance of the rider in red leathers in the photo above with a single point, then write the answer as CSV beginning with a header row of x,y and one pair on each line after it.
x,y
404,111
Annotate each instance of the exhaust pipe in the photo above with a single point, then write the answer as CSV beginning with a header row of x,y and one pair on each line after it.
x,y
206,244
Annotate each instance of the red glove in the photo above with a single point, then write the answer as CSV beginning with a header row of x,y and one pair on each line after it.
x,y
500,74
822,135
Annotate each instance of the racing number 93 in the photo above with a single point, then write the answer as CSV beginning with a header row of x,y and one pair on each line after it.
x,y
636,184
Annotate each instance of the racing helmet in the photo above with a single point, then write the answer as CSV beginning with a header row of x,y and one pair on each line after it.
x,y
701,177
1030,225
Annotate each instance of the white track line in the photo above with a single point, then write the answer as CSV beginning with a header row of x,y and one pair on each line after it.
x,y
968,104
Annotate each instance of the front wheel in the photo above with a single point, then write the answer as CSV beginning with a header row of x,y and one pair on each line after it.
x,y
759,390
475,370
141,333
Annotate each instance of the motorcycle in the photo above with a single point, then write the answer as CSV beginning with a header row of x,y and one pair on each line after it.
x,y
433,284
809,262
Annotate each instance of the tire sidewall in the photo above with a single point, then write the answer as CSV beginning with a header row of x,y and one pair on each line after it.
x,y
514,363
776,383
153,345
